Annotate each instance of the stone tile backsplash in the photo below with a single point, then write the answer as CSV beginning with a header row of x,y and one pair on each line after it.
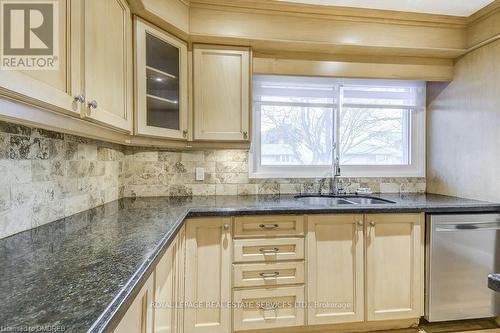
x,y
164,173
48,175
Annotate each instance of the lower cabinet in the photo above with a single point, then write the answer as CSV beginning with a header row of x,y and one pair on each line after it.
x,y
139,316
169,288
208,275
267,308
158,306
335,265
228,274
394,266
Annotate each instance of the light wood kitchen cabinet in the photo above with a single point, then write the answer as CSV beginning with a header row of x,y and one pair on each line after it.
x,y
52,89
268,226
208,275
268,274
335,265
268,308
268,250
169,288
354,269
394,266
161,102
107,62
139,316
94,79
221,84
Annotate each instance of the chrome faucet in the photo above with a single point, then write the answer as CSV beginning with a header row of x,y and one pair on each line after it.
x,y
335,186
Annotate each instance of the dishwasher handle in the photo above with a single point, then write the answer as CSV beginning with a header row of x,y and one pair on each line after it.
x,y
468,226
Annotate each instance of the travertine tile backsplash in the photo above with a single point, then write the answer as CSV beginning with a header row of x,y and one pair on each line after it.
x,y
158,173
47,175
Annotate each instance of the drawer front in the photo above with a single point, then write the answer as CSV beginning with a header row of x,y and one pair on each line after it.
x,y
268,226
268,274
268,250
268,308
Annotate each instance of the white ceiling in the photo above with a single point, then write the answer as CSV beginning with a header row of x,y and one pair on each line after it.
x,y
447,7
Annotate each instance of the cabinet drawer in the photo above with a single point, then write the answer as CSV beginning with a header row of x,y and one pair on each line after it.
x,y
268,308
268,274
268,250
268,226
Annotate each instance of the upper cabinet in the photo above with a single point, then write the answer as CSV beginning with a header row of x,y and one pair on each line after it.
x,y
94,76
107,79
161,83
50,88
221,84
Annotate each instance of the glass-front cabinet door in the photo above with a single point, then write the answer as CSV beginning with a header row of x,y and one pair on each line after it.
x,y
161,83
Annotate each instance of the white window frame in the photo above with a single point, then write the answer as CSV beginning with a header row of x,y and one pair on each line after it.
x,y
417,148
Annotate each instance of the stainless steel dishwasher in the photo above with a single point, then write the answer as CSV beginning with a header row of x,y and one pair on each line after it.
x,y
461,250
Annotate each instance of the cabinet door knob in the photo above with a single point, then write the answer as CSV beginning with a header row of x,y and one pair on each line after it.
x,y
80,98
360,223
372,223
226,226
245,134
185,133
93,104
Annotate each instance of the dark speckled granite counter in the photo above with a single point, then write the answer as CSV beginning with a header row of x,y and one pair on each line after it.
x,y
81,272
494,282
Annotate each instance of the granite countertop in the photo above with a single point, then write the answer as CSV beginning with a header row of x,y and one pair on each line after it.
x,y
82,272
494,282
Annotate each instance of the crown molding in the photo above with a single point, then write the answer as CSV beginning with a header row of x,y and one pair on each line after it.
x,y
334,12
200,21
484,12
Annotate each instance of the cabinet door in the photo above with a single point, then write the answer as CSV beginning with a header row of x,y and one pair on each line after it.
x,y
161,83
139,316
169,287
179,280
165,292
335,280
394,266
208,275
221,93
51,89
108,62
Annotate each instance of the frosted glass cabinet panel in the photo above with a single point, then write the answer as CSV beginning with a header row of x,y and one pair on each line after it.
x,y
161,83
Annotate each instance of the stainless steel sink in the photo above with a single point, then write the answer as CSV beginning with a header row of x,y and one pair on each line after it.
x,y
325,200
365,200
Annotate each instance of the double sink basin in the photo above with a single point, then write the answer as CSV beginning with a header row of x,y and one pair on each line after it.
x,y
332,200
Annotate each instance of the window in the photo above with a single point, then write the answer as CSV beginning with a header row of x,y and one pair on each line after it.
x,y
301,125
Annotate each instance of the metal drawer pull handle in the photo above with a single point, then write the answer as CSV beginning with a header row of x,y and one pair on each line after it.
x,y
269,251
269,275
268,226
269,308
